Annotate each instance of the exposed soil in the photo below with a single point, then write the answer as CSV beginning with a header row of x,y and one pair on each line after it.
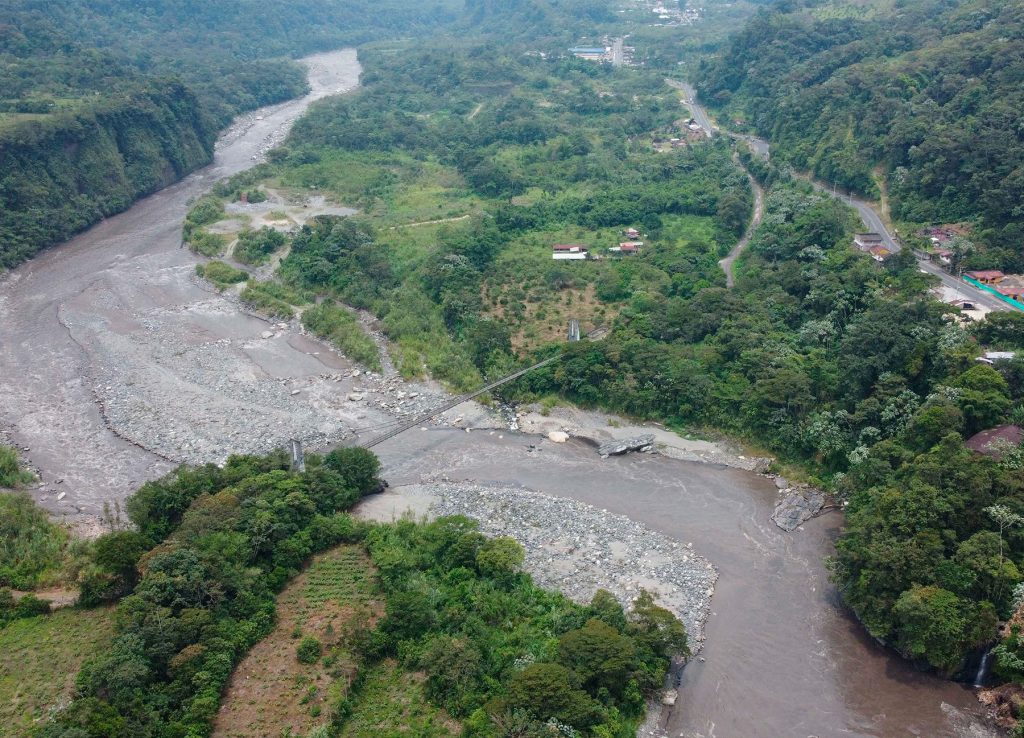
x,y
271,692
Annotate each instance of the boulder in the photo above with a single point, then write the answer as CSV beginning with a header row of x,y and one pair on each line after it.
x,y
558,436
624,446
798,507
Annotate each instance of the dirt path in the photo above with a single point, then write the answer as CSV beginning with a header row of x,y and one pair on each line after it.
x,y
755,221
430,222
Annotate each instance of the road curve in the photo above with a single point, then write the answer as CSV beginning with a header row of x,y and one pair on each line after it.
x,y
755,221
868,215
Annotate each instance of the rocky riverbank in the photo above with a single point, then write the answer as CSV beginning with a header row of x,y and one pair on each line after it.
x,y
571,547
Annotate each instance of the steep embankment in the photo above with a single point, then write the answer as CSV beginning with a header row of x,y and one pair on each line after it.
x,y
67,172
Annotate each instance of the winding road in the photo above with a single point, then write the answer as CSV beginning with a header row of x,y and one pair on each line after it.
x,y
868,215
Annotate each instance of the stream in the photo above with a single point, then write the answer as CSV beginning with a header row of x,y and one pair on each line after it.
x,y
111,331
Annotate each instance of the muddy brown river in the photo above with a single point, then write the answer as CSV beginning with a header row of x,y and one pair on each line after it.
x,y
108,339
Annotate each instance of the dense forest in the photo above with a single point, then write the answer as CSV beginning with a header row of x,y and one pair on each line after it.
x,y
103,102
926,92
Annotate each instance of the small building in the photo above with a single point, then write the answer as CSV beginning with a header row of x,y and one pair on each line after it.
x,y
569,252
945,256
994,441
627,248
879,253
991,357
632,233
864,241
986,276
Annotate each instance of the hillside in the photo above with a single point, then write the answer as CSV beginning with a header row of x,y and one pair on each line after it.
x,y
927,92
105,102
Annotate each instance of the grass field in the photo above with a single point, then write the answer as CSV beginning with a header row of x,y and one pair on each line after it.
x,y
391,703
271,693
39,660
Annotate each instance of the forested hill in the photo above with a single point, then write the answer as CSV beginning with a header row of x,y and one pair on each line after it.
x,y
928,91
102,102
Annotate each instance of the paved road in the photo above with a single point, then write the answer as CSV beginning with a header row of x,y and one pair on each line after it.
x,y
618,54
868,215
755,221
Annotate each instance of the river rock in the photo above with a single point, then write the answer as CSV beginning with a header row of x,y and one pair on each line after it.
x,y
558,436
617,447
798,507
781,482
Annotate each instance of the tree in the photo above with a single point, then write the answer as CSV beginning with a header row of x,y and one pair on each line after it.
x,y
599,656
357,466
500,558
939,627
545,691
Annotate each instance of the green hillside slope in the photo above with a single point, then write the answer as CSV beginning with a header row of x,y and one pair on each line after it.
x,y
929,91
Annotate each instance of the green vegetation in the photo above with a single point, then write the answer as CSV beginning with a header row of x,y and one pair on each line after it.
x,y
927,91
11,473
452,249
271,299
256,247
39,658
392,702
221,274
33,551
225,540
341,327
495,650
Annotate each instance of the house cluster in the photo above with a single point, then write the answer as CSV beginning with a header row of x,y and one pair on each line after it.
x,y
581,252
1007,285
873,244
592,53
685,132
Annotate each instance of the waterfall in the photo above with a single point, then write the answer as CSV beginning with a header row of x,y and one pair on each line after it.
x,y
979,678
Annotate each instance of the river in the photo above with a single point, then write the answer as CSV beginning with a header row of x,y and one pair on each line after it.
x,y
112,325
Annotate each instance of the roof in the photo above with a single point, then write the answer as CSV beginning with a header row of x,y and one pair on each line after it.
x,y
568,247
879,251
988,441
986,274
587,50
629,247
868,237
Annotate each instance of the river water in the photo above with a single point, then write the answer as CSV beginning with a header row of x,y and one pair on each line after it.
x,y
113,314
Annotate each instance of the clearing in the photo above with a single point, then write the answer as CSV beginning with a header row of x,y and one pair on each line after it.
x,y
271,693
39,660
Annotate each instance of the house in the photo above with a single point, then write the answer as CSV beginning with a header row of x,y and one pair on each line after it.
x,y
569,252
1012,286
864,241
1009,290
627,248
986,276
945,256
632,233
994,441
879,253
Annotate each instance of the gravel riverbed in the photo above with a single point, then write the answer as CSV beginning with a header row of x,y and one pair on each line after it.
x,y
570,546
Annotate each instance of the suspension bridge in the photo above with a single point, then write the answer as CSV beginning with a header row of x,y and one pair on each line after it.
x,y
401,426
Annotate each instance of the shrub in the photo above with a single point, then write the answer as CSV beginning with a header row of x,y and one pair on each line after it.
x,y
11,473
32,549
339,326
309,650
221,274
